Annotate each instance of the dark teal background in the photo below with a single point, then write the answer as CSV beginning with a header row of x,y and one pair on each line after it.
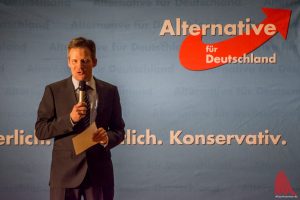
x,y
156,93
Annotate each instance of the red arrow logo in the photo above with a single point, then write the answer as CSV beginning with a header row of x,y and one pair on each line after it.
x,y
192,53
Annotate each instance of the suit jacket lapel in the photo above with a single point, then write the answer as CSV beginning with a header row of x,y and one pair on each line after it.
x,y
70,92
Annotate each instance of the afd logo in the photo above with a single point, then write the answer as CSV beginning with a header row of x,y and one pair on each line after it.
x,y
283,188
194,54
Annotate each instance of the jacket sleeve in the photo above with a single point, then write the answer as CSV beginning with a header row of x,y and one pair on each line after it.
x,y
48,125
116,130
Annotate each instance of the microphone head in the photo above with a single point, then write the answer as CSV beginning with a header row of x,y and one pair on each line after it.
x,y
82,85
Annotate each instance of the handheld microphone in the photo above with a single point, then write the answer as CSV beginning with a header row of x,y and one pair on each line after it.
x,y
81,89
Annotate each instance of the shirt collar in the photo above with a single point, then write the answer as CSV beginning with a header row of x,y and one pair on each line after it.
x,y
91,83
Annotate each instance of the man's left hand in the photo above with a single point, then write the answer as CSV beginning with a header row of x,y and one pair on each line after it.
x,y
101,136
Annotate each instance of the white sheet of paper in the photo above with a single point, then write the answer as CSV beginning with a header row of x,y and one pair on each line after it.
x,y
84,140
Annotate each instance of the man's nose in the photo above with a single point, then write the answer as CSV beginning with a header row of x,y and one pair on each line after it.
x,y
82,63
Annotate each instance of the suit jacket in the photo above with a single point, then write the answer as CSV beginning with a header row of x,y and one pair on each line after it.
x,y
67,169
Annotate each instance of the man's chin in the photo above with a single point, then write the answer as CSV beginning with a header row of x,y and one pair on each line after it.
x,y
79,79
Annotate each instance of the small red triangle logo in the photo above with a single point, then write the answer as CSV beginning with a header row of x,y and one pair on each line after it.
x,y
283,187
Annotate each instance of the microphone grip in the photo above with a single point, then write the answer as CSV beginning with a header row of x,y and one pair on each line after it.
x,y
81,96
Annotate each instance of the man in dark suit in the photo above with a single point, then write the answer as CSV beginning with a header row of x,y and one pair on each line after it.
x,y
89,174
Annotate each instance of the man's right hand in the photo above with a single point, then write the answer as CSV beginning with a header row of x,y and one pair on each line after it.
x,y
78,112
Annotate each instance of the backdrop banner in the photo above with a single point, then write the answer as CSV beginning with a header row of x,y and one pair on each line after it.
x,y
210,94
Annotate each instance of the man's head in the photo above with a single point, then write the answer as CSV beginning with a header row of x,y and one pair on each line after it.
x,y
82,58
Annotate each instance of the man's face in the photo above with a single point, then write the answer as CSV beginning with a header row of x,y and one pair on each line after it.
x,y
81,63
